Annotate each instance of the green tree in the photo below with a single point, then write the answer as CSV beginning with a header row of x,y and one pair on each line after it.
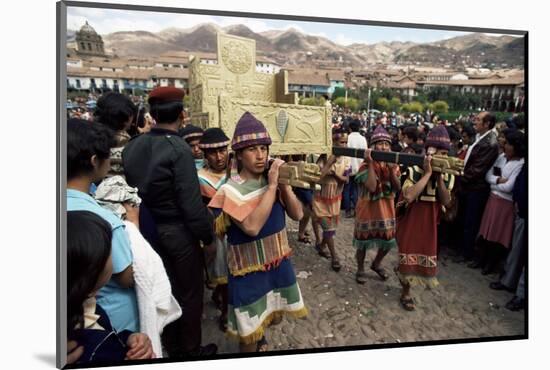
x,y
413,107
351,103
317,101
440,106
339,92
382,104
473,101
421,96
395,104
341,102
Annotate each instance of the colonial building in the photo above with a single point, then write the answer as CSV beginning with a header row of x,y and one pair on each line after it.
x,y
499,94
308,82
88,41
90,69
405,86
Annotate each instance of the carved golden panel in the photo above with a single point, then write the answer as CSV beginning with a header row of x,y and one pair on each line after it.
x,y
221,93
307,129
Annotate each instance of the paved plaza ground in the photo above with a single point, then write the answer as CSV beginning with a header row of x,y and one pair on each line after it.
x,y
344,313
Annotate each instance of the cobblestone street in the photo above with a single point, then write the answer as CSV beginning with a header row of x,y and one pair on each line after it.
x,y
344,313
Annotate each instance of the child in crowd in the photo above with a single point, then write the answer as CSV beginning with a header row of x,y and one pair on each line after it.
x,y
89,267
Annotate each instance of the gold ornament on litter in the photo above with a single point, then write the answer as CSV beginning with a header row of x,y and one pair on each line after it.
x,y
236,57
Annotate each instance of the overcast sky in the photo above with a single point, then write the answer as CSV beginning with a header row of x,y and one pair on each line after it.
x,y
105,21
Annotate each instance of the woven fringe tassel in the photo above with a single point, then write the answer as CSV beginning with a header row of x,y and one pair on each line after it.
x,y
221,224
384,245
219,281
264,267
414,280
259,333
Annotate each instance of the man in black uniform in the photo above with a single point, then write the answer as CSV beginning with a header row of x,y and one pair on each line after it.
x,y
161,166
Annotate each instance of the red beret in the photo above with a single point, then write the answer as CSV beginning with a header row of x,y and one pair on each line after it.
x,y
165,95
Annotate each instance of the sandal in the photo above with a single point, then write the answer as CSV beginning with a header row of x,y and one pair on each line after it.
x,y
261,345
407,303
380,272
361,277
321,252
335,264
305,239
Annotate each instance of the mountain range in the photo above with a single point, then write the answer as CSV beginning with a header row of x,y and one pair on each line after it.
x,y
293,47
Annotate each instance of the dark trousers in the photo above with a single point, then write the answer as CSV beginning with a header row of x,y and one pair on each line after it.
x,y
349,194
183,261
474,205
517,256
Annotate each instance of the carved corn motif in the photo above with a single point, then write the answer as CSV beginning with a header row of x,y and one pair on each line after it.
x,y
282,124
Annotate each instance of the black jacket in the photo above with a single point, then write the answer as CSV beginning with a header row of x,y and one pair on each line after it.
x,y
481,159
520,192
161,166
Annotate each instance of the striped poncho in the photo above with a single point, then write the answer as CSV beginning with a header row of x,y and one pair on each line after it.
x,y
262,282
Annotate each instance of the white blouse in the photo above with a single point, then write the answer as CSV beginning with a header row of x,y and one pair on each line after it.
x,y
509,170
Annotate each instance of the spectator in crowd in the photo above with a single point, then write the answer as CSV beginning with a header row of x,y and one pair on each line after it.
x,y
421,138
497,224
468,138
519,122
410,135
518,301
116,111
143,122
515,263
455,140
88,150
89,268
474,189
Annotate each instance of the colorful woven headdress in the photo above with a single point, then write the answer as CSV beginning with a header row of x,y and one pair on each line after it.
x,y
438,138
213,138
380,134
248,132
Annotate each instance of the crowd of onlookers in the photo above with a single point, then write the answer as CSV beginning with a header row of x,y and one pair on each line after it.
x,y
121,296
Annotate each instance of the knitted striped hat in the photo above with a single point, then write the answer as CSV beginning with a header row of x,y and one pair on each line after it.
x,y
213,138
380,134
438,138
191,132
248,132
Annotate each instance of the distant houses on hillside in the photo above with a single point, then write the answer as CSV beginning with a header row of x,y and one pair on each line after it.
x,y
90,69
